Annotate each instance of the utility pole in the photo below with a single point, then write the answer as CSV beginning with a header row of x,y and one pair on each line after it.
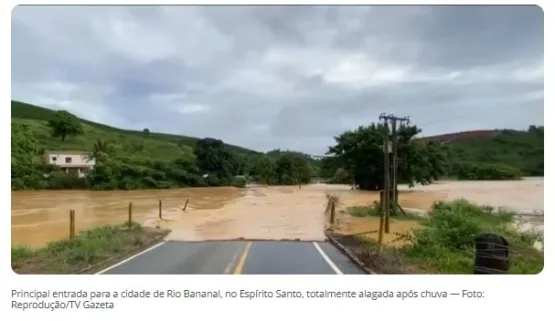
x,y
395,146
394,142
393,169
384,219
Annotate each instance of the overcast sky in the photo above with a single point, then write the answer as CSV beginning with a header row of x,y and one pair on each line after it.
x,y
282,77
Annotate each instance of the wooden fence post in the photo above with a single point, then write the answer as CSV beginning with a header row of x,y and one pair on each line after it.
x,y
130,214
328,207
160,209
71,224
332,213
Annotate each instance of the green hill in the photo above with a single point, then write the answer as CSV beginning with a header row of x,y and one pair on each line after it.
x,y
126,159
122,144
36,117
520,149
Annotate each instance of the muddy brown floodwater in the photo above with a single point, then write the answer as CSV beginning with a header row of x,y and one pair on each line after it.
x,y
212,213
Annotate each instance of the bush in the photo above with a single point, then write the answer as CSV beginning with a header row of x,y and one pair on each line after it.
x,y
445,243
239,182
61,180
341,176
468,171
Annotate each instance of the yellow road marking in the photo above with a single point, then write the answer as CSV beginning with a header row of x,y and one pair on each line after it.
x,y
243,259
230,265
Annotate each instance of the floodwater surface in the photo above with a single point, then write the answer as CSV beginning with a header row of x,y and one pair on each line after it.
x,y
212,213
255,212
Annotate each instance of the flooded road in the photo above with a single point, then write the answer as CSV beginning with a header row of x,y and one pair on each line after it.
x,y
212,213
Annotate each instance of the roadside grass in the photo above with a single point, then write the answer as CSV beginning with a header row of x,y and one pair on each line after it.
x,y
375,211
88,249
445,242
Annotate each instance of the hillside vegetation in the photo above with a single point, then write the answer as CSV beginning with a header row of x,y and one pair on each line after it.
x,y
136,159
21,110
523,150
120,143
132,159
516,148
357,157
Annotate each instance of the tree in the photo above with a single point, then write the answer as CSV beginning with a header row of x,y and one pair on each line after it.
x,y
329,166
146,131
213,158
101,148
24,145
293,169
360,153
263,169
64,124
341,176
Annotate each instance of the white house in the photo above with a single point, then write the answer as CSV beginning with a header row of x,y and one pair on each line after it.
x,y
72,162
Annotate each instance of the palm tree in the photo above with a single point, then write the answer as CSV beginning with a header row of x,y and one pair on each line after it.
x,y
100,150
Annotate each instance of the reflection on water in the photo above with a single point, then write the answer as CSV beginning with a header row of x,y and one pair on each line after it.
x,y
212,213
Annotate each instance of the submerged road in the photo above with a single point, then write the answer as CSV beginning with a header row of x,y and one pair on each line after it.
x,y
237,257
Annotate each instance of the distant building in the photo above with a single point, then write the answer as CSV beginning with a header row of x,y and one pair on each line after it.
x,y
72,162
318,157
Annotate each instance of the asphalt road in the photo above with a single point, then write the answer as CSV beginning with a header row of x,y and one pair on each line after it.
x,y
238,257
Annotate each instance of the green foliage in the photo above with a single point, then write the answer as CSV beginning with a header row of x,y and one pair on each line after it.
x,y
376,211
523,150
313,164
100,151
26,169
214,159
239,181
341,176
119,144
128,162
20,110
508,155
445,243
89,247
329,166
64,124
476,171
262,169
360,153
61,180
125,159
292,169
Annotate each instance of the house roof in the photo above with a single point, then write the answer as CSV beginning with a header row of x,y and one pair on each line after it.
x,y
66,152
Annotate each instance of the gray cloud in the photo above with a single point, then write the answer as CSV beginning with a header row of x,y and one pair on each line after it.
x,y
282,77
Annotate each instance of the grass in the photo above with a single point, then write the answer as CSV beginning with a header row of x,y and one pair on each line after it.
x,y
375,211
156,142
89,249
121,144
445,242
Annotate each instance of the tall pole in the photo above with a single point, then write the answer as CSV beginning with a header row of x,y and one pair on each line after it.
x,y
387,173
387,205
390,182
395,160
394,164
